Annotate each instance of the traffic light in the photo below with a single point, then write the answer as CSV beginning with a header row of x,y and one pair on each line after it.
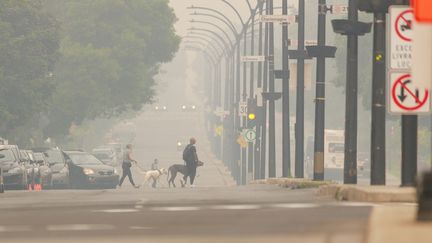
x,y
251,114
379,6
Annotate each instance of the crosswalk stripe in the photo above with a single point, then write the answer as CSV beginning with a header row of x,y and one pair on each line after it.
x,y
119,210
236,207
175,209
79,227
295,205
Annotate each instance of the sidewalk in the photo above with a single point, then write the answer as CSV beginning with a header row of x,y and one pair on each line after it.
x,y
396,223
380,194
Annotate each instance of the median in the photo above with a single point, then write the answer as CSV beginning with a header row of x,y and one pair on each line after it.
x,y
293,183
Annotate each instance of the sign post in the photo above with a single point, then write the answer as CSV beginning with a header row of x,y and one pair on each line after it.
x,y
405,95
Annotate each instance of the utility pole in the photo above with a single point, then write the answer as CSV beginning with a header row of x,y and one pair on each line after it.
x,y
409,150
265,78
243,150
272,132
378,133
299,125
351,28
321,52
257,147
286,150
251,97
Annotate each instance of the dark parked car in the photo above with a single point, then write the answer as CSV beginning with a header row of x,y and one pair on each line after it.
x,y
57,163
13,169
86,171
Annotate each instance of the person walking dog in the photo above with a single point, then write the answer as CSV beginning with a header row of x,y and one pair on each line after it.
x,y
126,166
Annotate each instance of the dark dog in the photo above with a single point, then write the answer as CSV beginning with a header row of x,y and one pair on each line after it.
x,y
177,168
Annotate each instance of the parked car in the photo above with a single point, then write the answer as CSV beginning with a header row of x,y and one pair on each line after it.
x,y
1,176
13,169
45,172
57,163
118,148
106,155
86,171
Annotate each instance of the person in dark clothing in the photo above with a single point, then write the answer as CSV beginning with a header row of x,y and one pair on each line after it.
x,y
191,159
126,166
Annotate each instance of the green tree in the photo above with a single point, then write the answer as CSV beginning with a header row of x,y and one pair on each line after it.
x,y
111,51
29,41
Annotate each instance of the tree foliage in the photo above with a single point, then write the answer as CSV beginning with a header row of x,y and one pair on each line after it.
x,y
110,52
29,40
102,54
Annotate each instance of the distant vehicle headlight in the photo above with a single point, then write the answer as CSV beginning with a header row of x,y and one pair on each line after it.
x,y
115,171
88,171
193,107
183,107
164,108
156,108
179,144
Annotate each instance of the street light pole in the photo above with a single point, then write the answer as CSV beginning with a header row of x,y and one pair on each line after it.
x,y
272,132
378,157
286,148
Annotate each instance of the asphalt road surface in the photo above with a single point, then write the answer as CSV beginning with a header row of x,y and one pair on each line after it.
x,y
214,211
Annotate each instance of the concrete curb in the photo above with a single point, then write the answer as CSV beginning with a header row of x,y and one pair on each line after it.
x,y
369,193
292,183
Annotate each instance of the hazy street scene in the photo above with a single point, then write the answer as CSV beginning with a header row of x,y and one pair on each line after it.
x,y
216,121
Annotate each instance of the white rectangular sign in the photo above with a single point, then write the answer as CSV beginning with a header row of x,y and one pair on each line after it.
x,y
405,96
422,55
294,42
243,108
400,37
339,9
278,18
253,58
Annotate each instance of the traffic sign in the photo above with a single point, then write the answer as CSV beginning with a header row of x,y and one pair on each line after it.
x,y
218,131
241,141
243,108
405,96
278,18
400,37
249,135
338,9
253,58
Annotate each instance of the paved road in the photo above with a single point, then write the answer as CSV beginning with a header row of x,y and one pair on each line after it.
x,y
214,211
252,213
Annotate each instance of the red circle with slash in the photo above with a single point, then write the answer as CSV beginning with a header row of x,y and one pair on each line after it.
x,y
403,17
395,98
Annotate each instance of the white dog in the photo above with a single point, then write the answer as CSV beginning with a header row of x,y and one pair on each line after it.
x,y
153,174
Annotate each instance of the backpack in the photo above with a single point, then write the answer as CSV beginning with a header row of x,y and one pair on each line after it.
x,y
187,153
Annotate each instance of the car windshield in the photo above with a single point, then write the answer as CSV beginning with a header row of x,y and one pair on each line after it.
x,y
102,156
8,156
84,159
54,157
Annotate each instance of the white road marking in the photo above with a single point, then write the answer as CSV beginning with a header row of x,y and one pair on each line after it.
x,y
118,210
295,205
14,228
140,228
236,207
353,204
79,227
175,209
